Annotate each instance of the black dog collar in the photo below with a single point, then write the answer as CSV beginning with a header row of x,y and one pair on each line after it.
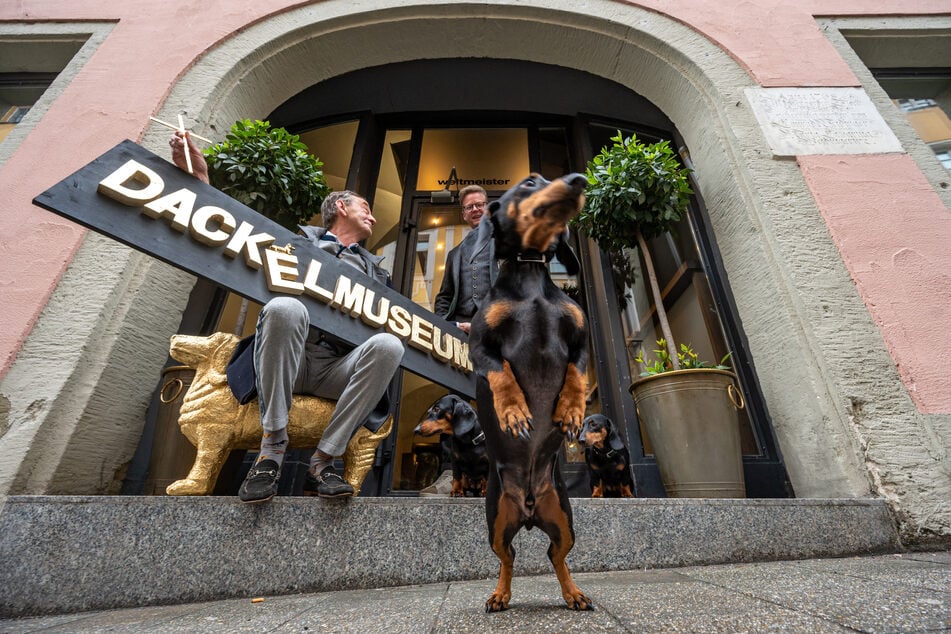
x,y
601,452
531,256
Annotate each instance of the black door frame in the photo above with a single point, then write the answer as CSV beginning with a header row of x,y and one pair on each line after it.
x,y
765,474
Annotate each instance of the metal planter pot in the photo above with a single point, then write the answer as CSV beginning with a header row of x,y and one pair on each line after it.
x,y
691,418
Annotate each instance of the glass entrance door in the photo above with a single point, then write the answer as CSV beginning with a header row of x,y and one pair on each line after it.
x,y
424,169
413,175
438,228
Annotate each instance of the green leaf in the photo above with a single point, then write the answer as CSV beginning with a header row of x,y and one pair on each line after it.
x,y
633,186
264,166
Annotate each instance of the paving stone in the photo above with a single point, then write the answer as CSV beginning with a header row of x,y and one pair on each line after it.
x,y
867,599
908,593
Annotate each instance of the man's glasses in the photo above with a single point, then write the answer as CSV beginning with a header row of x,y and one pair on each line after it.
x,y
474,206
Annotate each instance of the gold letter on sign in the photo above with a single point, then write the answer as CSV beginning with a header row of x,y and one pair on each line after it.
x,y
201,230
442,345
242,240
177,207
115,185
281,272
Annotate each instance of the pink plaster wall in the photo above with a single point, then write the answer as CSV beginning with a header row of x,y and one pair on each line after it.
x,y
109,100
778,42
894,234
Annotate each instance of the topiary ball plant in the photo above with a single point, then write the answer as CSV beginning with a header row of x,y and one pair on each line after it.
x,y
635,192
633,188
269,170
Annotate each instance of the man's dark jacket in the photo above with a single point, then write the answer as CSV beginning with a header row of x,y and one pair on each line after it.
x,y
483,254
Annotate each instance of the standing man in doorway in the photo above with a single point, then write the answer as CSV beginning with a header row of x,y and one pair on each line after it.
x,y
287,356
470,266
470,272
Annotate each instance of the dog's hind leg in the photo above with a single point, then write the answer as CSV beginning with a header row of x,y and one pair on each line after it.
x,y
504,519
553,515
500,597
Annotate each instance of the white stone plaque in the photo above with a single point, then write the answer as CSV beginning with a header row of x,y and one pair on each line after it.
x,y
799,121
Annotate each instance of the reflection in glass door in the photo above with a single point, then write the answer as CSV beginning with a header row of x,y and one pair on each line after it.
x,y
418,461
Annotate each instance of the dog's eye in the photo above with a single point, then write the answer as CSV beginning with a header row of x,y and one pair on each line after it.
x,y
528,182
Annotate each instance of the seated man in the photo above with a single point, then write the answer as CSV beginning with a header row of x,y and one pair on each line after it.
x,y
288,357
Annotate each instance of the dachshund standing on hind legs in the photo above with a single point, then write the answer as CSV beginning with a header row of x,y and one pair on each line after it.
x,y
528,346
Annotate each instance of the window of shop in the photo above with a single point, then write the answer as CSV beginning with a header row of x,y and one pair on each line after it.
x,y
419,220
698,305
926,114
419,171
335,143
912,68
687,297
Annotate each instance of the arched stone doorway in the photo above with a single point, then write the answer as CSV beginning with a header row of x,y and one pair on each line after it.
x,y
685,76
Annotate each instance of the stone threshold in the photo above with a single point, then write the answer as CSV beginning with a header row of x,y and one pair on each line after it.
x,y
65,554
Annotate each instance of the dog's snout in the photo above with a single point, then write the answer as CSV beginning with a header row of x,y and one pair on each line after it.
x,y
577,182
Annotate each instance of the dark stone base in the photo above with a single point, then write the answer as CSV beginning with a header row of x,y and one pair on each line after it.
x,y
67,554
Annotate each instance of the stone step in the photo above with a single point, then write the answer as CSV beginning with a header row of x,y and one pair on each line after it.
x,y
71,553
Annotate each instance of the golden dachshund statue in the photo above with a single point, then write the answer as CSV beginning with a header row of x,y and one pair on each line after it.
x,y
213,420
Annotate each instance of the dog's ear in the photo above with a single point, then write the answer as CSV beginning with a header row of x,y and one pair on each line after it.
x,y
614,438
566,255
489,229
463,418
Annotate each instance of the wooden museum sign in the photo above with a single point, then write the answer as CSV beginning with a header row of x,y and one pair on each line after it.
x,y
145,202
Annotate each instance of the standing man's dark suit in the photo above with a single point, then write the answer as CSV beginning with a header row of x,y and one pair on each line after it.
x,y
470,266
470,273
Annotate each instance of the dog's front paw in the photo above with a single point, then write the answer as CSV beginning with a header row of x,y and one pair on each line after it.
x,y
569,412
569,416
577,600
515,420
511,409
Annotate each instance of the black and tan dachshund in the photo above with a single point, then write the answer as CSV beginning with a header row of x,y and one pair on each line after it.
x,y
453,416
607,458
528,346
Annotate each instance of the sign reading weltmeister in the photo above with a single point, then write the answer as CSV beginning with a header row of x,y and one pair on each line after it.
x,y
145,202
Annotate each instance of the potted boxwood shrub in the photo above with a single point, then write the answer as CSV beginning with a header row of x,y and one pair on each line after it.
x,y
637,192
271,171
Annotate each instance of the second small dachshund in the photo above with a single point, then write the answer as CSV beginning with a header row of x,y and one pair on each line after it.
x,y
609,463
470,463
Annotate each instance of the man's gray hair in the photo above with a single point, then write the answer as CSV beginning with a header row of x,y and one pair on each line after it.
x,y
328,209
